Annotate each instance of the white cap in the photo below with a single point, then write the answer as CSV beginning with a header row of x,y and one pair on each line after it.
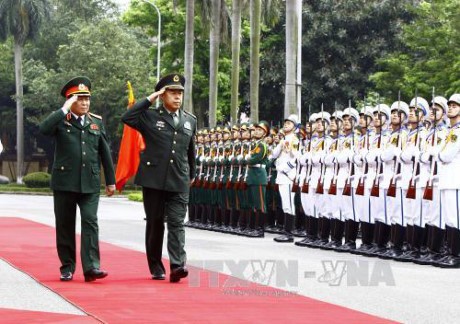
x,y
454,98
384,109
368,111
324,116
421,104
401,106
352,112
293,118
312,118
440,101
337,115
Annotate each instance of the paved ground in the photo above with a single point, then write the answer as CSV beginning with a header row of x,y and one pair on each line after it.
x,y
403,292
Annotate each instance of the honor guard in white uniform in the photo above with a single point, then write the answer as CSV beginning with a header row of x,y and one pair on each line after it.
x,y
364,174
286,154
426,233
346,185
392,180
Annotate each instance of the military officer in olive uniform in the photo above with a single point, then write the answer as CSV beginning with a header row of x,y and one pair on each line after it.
x,y
81,146
166,169
257,180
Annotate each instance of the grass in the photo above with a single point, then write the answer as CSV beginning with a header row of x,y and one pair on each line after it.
x,y
131,193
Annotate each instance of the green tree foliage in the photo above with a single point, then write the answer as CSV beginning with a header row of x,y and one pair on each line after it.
x,y
429,57
109,54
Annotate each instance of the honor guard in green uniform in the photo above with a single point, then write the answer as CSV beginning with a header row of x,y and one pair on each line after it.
x,y
166,169
257,180
81,147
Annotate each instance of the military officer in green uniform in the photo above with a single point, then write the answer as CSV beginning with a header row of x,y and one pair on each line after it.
x,y
166,169
257,179
81,146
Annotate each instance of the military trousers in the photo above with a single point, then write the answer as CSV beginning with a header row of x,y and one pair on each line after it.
x,y
164,206
65,211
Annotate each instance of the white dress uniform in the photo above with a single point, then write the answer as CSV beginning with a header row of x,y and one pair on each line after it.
x,y
345,160
366,174
332,208
306,199
429,210
318,171
286,156
399,173
449,183
377,203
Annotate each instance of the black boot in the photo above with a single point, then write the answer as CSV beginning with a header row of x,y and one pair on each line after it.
x,y
453,259
235,217
280,217
351,233
434,242
381,237
242,222
312,232
270,221
397,240
289,221
299,230
217,219
251,224
414,235
337,229
259,224
324,235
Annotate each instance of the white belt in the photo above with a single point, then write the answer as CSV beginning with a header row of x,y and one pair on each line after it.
x,y
258,166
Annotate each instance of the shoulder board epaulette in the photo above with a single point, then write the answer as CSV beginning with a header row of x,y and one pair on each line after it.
x,y
190,114
95,116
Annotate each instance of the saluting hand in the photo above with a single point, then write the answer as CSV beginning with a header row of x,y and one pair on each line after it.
x,y
69,102
154,96
110,190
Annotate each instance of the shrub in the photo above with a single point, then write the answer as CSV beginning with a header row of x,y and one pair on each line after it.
x,y
37,180
136,196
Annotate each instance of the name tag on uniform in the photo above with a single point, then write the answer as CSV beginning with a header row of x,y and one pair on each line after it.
x,y
187,125
160,124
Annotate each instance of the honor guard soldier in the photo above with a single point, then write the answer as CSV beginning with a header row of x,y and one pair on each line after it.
x,y
81,147
349,222
285,153
429,231
257,179
363,177
166,169
449,158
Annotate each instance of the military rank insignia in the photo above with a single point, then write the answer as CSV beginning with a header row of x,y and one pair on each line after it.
x,y
394,141
68,116
454,138
94,127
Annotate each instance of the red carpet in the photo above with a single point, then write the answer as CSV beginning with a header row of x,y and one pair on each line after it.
x,y
129,295
22,316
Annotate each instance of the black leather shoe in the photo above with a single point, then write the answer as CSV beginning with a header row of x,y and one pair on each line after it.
x,y
94,274
284,239
177,274
158,274
66,276
347,247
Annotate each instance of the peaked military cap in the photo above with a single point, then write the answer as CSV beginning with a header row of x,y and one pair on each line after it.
x,y
171,81
80,86
264,125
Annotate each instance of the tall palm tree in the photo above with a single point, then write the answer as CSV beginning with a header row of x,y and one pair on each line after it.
x,y
237,8
254,72
188,64
21,19
290,95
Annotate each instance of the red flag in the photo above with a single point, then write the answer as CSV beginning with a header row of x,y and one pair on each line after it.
x,y
131,145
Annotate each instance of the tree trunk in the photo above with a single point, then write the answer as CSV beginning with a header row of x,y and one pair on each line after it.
x,y
236,37
189,49
213,61
254,75
290,99
19,111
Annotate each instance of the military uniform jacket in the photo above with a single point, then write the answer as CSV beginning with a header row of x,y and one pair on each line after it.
x,y
449,156
168,161
257,174
78,153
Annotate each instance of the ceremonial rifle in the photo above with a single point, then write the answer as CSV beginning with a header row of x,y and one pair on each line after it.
x,y
351,165
375,191
428,193
320,186
412,189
